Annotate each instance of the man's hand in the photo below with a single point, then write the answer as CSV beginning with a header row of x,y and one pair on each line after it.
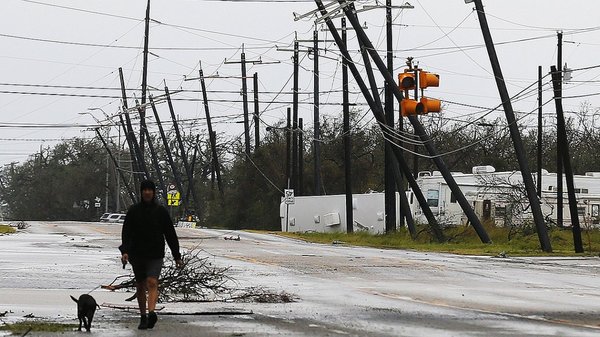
x,y
179,264
124,259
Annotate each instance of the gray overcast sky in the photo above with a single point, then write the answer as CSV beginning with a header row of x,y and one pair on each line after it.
x,y
437,33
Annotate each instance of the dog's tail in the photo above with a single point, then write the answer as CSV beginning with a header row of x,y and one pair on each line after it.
x,y
74,299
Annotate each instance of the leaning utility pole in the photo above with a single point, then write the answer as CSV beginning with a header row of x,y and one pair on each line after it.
x,y
135,166
534,201
211,133
347,139
169,154
566,159
142,110
186,166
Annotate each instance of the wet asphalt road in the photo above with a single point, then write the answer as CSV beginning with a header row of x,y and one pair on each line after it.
x,y
342,291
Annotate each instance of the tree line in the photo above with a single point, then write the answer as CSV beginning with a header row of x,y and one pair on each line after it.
x,y
63,182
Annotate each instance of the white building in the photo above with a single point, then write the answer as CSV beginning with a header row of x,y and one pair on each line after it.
x,y
495,196
500,196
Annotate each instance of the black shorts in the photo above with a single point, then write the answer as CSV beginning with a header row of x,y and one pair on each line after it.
x,y
145,267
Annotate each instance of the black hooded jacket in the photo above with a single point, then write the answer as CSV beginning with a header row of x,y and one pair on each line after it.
x,y
145,229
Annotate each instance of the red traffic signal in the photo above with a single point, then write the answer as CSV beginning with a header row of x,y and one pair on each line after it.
x,y
427,79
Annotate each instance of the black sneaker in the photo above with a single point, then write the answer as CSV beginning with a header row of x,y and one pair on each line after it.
x,y
143,322
152,318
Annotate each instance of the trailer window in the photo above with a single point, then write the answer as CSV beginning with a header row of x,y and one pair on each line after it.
x,y
433,197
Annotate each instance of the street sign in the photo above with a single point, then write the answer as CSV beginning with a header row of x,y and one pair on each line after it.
x,y
173,198
97,199
97,205
288,197
171,187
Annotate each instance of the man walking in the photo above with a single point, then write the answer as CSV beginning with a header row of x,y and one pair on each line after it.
x,y
147,225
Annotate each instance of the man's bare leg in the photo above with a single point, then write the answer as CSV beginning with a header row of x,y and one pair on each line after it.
x,y
152,286
141,298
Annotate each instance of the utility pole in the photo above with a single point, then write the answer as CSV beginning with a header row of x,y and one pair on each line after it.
x,y
300,157
559,154
134,160
539,135
129,191
176,176
389,183
534,201
243,62
347,139
256,113
186,166
316,117
142,110
211,133
295,120
288,146
245,100
566,160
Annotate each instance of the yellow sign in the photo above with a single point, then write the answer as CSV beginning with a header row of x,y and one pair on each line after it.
x,y
174,199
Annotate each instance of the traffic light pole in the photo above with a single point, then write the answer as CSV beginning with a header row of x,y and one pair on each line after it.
x,y
419,129
534,201
380,116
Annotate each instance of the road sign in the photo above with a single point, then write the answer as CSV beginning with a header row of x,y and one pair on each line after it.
x,y
171,187
97,199
97,205
288,197
173,198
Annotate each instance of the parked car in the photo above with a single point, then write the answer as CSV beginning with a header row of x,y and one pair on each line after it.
x,y
116,218
104,217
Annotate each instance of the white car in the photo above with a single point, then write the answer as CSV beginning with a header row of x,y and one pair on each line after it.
x,y
116,218
104,217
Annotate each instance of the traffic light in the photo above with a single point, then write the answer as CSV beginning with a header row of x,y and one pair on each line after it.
x,y
427,79
406,80
431,105
410,107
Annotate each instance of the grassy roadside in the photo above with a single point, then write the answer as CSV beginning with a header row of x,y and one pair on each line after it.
x,y
464,240
6,229
37,326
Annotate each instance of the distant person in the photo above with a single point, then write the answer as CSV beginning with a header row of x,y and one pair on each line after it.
x,y
145,229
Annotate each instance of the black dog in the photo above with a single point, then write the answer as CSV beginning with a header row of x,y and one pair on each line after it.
x,y
86,307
